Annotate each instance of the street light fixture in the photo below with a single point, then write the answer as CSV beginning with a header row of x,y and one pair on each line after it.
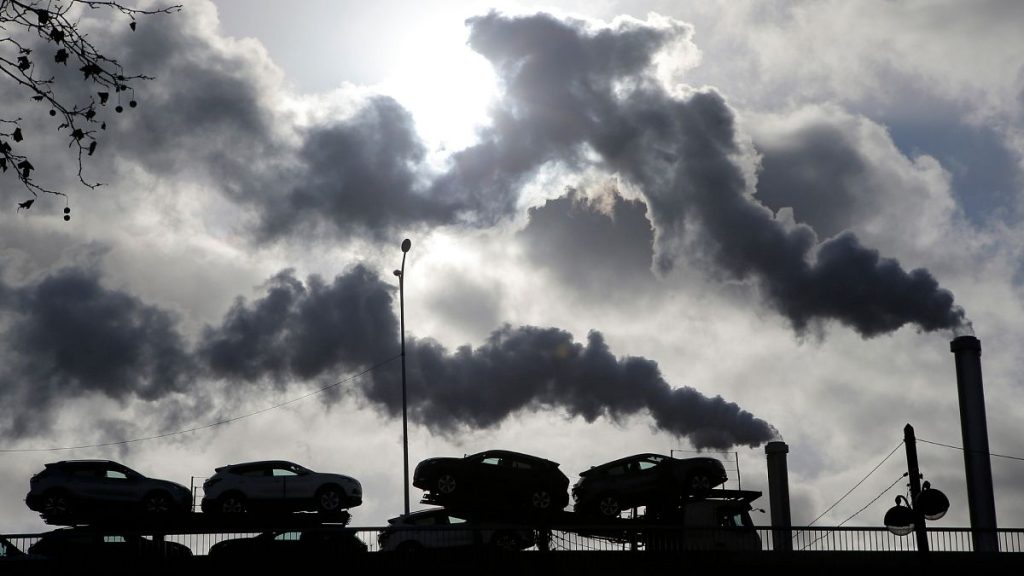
x,y
406,245
925,502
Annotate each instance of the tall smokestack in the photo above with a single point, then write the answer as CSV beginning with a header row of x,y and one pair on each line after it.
x,y
778,495
967,350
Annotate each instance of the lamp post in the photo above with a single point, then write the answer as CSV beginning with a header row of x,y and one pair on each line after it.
x,y
925,503
406,245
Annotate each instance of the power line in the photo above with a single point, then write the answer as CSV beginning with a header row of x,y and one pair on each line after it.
x,y
875,499
205,426
848,492
963,450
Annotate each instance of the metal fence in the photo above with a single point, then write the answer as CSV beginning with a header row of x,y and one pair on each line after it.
x,y
639,538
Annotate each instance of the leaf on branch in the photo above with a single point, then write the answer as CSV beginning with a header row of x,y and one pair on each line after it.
x,y
103,97
26,167
23,63
26,204
57,35
43,15
91,70
61,56
89,114
5,147
92,147
132,25
37,97
3,164
17,135
78,134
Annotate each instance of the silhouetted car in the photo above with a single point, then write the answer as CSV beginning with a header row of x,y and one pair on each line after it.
x,y
322,542
439,528
278,485
493,480
84,544
644,480
78,489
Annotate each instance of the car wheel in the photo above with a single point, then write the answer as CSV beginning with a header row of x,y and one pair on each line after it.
x,y
57,504
608,506
505,540
446,483
409,546
232,504
541,499
699,483
157,503
329,500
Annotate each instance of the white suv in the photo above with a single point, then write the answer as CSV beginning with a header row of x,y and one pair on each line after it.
x,y
278,485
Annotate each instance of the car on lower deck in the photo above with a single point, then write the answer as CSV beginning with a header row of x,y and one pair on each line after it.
x,y
439,528
321,542
278,485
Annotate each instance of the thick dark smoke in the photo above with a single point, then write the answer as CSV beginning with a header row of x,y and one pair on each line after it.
x,y
567,87
574,94
531,368
68,336
316,330
302,331
71,337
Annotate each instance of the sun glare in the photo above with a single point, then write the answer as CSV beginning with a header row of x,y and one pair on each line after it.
x,y
446,87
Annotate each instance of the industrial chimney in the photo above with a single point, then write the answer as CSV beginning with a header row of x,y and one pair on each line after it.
x,y
778,495
973,424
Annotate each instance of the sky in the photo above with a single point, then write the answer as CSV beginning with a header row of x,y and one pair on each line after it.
x,y
636,227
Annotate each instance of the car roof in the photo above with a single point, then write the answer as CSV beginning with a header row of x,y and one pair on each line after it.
x,y
260,463
513,454
85,461
641,456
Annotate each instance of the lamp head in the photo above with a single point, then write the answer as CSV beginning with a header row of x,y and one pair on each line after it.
x,y
900,519
398,273
406,244
932,503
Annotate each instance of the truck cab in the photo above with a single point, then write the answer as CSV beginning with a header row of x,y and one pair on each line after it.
x,y
719,521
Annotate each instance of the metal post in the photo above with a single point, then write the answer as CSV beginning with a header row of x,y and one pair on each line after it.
x,y
406,244
910,441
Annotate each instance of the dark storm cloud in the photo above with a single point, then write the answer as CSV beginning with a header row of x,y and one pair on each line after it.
x,y
595,245
68,336
530,368
568,87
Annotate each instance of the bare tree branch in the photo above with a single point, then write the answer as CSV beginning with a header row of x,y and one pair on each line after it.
x,y
56,23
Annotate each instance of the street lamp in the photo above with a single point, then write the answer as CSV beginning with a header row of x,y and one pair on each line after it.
x,y
925,502
406,245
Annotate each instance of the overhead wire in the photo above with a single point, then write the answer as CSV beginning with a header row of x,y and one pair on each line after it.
x,y
850,491
965,450
854,515
205,426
